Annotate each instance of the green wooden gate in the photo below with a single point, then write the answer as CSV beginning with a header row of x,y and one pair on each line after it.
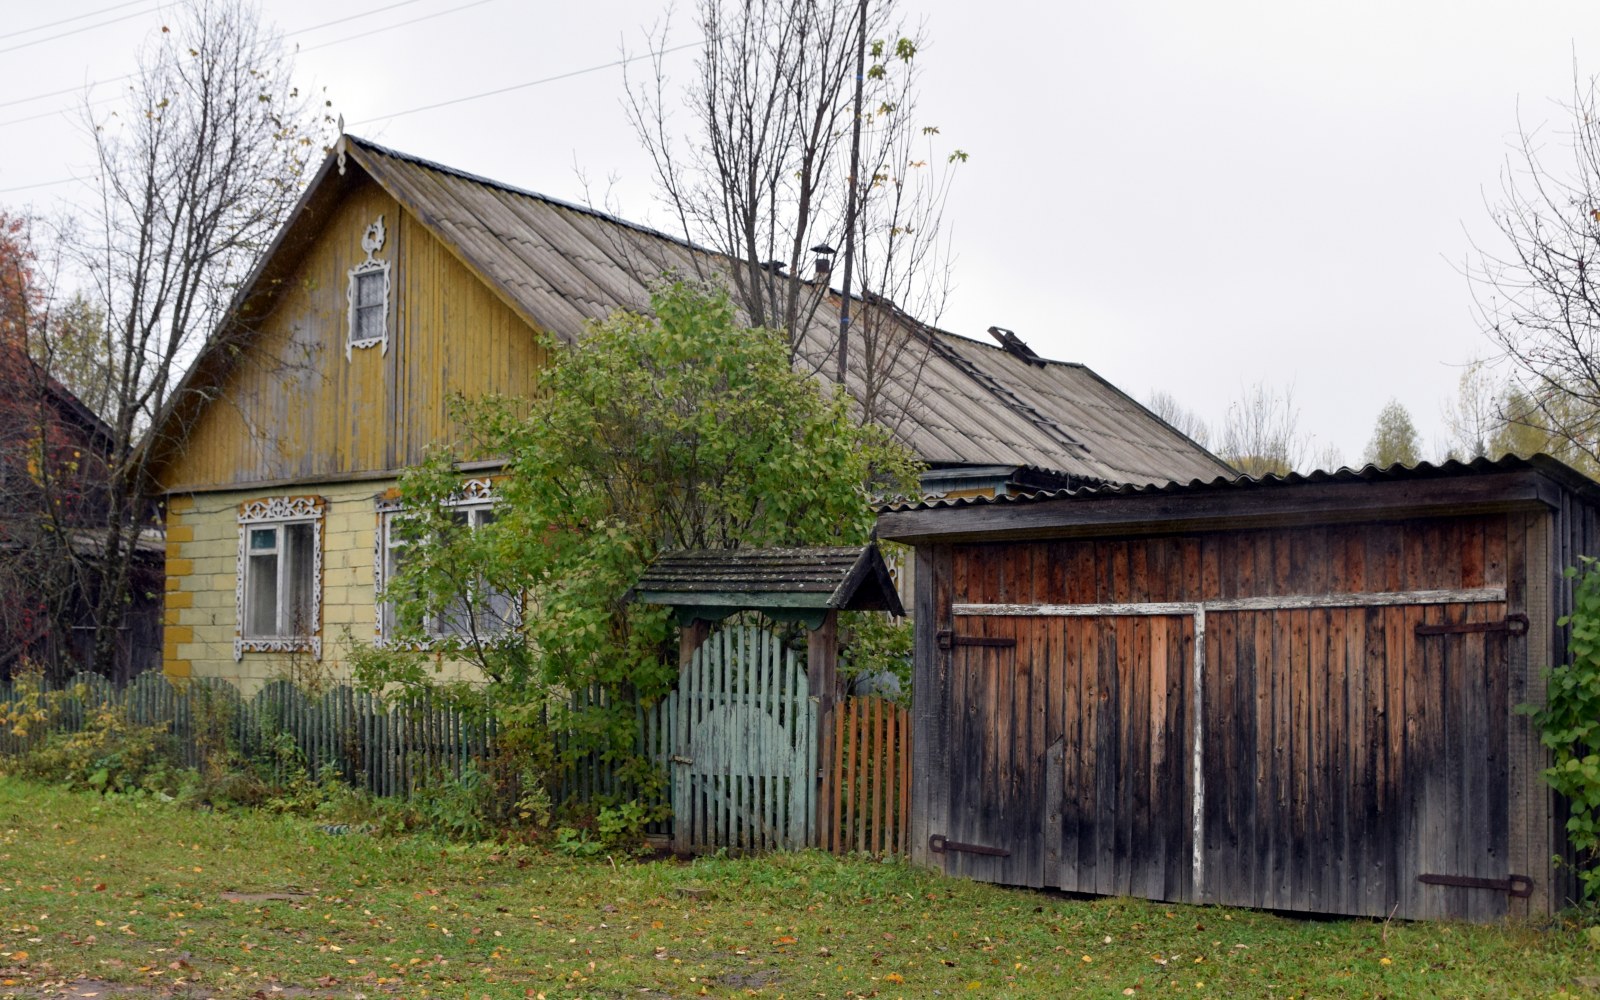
x,y
744,746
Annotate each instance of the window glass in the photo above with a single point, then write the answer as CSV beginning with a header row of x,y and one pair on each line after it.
x,y
481,610
261,589
369,314
298,542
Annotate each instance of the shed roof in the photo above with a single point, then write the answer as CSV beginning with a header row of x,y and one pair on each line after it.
x,y
1342,494
844,578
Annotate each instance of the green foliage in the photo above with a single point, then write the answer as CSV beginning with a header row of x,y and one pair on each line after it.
x,y
1394,438
1569,723
109,754
683,429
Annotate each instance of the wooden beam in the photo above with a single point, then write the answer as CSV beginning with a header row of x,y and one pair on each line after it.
x,y
1479,595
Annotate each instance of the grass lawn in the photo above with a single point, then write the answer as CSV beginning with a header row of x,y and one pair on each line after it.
x,y
114,897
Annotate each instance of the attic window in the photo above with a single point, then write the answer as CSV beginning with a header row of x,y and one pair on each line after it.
x,y
369,296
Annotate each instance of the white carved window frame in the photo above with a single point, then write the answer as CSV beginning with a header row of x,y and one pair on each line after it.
x,y
475,495
371,242
277,511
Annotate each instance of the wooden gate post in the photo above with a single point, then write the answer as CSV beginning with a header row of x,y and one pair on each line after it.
x,y
690,636
822,670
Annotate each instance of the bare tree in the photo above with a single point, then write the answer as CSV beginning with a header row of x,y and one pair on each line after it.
x,y
1538,293
1261,433
1476,415
759,174
197,170
1183,420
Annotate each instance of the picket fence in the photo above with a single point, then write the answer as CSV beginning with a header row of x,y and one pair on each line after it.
x,y
391,746
386,747
866,783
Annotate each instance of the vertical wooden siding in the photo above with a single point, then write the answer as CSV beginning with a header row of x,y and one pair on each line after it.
x,y
1342,755
295,408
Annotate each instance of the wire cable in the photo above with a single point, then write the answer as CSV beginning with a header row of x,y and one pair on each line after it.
x,y
79,31
523,86
390,27
68,20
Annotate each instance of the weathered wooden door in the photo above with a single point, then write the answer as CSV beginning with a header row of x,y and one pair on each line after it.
x,y
1069,744
744,753
1355,760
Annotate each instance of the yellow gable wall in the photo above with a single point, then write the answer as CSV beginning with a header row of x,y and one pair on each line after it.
x,y
295,410
202,579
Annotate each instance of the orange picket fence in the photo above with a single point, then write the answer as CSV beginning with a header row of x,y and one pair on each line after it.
x,y
866,784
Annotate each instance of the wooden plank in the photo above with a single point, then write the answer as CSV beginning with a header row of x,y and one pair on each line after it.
x,y
1285,602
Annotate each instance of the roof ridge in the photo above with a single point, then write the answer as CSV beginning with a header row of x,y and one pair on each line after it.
x,y
490,182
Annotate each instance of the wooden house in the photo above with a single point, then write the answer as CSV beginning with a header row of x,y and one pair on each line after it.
x,y
53,516
398,283
1294,693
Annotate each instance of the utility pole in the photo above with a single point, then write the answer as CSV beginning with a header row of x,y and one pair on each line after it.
x,y
850,212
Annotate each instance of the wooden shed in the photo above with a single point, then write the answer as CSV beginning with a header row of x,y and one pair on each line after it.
x,y
1292,693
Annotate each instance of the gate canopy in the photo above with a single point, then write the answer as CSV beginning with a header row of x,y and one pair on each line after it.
x,y
788,584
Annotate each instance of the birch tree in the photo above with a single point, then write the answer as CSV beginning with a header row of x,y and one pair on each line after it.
x,y
197,169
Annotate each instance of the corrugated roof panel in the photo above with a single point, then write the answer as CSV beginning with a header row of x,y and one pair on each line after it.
x,y
955,401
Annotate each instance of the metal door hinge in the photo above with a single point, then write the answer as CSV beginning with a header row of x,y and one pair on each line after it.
x,y
947,639
938,845
1516,886
1514,625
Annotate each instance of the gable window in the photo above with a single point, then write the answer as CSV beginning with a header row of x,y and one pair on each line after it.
x,y
279,591
479,611
369,296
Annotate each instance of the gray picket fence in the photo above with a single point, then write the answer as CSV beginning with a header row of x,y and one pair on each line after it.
x,y
385,746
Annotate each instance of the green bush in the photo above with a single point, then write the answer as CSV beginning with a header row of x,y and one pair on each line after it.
x,y
1569,724
109,754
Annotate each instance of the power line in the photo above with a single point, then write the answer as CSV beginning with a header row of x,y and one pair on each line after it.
x,y
350,17
390,27
288,34
65,90
79,31
75,17
41,184
523,86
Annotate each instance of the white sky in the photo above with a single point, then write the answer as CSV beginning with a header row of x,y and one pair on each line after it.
x,y
1184,196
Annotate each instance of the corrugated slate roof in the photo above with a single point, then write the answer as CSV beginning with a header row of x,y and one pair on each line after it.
x,y
964,402
1422,471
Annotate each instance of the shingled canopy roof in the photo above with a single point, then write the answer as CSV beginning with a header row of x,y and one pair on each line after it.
x,y
785,584
960,403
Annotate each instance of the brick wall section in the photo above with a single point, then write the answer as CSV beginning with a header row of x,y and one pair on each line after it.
x,y
202,574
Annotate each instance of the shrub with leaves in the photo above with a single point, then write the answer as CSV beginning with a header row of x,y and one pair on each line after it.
x,y
680,429
1569,723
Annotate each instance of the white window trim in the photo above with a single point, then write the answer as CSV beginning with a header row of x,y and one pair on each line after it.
x,y
279,511
371,242
475,494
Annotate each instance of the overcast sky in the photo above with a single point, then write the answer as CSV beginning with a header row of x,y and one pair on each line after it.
x,y
1185,196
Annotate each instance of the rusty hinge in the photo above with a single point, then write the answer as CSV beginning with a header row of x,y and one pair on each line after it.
x,y
680,759
1516,625
938,845
947,639
1516,886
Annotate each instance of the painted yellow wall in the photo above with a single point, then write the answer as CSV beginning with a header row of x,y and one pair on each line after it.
x,y
296,409
202,575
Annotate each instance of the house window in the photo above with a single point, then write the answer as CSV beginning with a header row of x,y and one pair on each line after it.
x,y
479,611
279,590
369,296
